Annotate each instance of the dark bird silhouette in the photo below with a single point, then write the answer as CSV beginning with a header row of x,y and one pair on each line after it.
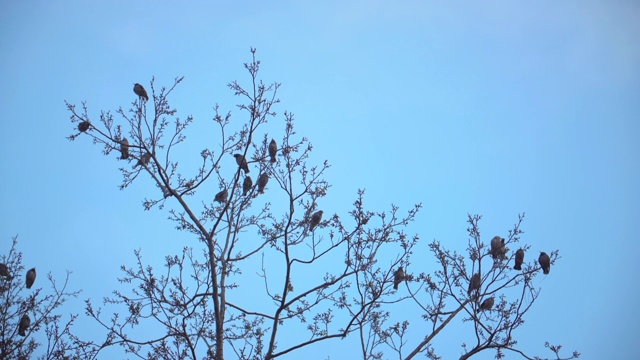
x,y
221,197
144,160
315,219
498,250
474,283
263,179
4,271
140,91
84,126
124,149
24,325
398,276
519,259
487,304
545,262
242,162
31,277
247,185
273,149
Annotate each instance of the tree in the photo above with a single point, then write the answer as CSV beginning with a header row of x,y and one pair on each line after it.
x,y
323,278
24,311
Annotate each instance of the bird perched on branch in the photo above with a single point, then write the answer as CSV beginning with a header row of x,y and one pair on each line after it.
x,y
242,162
84,126
124,149
140,91
398,276
487,304
144,160
4,271
31,277
315,219
263,179
498,250
519,259
273,149
221,197
545,262
474,283
25,321
247,185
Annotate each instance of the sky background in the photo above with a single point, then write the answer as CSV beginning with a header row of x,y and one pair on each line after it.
x,y
491,108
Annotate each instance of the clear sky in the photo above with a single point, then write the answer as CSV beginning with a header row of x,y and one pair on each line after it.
x,y
494,108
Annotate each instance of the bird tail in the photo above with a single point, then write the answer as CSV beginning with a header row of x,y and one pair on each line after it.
x,y
273,159
545,271
517,266
395,286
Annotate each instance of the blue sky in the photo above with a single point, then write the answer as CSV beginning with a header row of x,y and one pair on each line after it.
x,y
494,108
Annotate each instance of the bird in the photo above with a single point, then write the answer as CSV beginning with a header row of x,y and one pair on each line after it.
x,y
315,219
24,325
247,185
140,91
398,276
519,259
124,149
273,149
31,277
4,270
498,250
84,126
474,283
545,262
221,197
242,162
487,304
263,179
144,160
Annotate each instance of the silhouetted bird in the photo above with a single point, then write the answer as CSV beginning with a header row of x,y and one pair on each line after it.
x,y
519,259
31,277
144,160
273,149
315,219
263,179
487,304
498,250
124,149
140,91
221,197
545,262
474,283
398,276
84,126
242,162
24,325
4,270
247,185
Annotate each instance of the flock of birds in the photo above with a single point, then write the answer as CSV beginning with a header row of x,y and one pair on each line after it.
x,y
498,249
499,252
25,321
222,196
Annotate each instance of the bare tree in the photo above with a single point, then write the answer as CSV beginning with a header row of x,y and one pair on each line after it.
x,y
324,275
24,312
